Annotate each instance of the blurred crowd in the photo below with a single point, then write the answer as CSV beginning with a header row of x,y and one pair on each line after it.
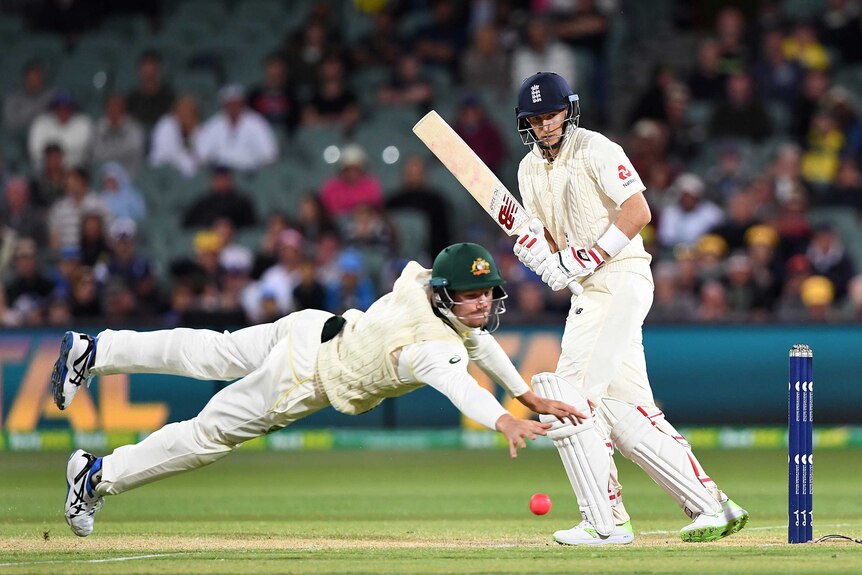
x,y
749,147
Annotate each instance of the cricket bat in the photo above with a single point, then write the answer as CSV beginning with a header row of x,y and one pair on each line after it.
x,y
476,177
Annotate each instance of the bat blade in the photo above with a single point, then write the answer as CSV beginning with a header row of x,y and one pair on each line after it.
x,y
476,177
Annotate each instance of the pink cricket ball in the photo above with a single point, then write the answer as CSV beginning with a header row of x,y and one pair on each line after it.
x,y
540,503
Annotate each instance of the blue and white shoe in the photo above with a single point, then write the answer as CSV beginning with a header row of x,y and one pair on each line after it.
x,y
72,369
82,501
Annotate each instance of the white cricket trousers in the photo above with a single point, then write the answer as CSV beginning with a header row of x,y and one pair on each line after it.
x,y
603,355
275,364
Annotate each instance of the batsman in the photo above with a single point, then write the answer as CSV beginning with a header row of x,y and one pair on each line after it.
x,y
423,332
589,209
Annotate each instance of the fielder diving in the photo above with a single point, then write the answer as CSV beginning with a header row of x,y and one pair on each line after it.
x,y
589,210
423,332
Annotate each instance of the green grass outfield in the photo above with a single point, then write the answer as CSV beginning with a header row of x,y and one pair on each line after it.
x,y
411,512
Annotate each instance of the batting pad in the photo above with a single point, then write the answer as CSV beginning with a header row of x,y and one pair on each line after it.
x,y
583,451
663,458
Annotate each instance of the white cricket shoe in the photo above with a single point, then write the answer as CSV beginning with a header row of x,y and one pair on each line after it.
x,y
585,534
72,368
82,501
705,527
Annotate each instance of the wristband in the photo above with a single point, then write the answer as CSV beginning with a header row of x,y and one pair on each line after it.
x,y
613,241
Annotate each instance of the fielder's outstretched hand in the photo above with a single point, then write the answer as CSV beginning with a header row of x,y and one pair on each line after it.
x,y
518,430
562,411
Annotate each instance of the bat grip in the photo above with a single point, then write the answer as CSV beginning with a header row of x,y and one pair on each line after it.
x,y
576,288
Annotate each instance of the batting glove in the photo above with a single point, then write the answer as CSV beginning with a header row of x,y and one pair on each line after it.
x,y
570,265
531,247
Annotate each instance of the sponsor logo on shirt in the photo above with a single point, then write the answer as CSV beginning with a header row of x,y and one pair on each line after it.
x,y
624,172
455,359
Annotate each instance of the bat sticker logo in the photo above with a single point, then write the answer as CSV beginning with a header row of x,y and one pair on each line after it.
x,y
506,215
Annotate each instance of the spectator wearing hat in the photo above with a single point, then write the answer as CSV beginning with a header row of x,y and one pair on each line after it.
x,y
480,133
119,137
818,296
231,252
18,212
24,104
127,265
152,96
202,271
829,259
67,214
237,137
281,279
222,201
118,194
690,217
237,295
761,243
64,125
68,262
352,186
352,289
710,250
174,139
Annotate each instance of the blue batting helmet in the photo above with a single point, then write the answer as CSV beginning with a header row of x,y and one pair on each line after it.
x,y
542,93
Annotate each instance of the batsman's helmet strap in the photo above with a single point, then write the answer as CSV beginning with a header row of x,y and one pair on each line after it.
x,y
465,266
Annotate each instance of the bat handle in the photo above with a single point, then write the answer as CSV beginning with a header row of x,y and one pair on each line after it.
x,y
576,288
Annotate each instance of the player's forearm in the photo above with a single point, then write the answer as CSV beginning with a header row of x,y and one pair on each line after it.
x,y
633,217
493,361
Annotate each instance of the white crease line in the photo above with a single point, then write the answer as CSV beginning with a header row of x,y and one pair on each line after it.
x,y
767,528
109,560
